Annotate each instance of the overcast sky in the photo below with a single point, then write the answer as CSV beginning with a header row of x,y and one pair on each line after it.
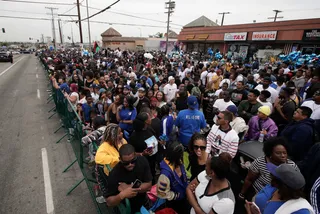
x,y
244,11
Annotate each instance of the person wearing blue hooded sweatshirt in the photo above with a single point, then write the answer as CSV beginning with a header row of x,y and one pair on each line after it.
x,y
173,181
190,121
300,133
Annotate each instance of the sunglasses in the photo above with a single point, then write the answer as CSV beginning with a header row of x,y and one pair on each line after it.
x,y
202,148
219,118
127,163
120,88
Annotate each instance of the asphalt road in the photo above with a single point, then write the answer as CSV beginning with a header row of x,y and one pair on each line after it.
x,y
25,132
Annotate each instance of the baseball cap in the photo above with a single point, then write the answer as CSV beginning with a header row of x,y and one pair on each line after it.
x,y
170,78
193,102
141,89
94,86
288,175
265,110
127,87
233,109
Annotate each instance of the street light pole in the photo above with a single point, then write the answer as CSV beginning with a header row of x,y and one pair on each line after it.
x,y
53,28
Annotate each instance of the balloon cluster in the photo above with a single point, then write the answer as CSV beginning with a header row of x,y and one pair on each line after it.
x,y
210,52
85,53
297,59
218,56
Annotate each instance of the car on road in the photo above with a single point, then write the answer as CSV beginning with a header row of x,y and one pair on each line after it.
x,y
4,57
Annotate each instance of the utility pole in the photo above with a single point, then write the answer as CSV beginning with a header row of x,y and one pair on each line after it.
x,y
79,20
42,38
53,28
72,35
60,31
223,13
88,25
276,15
169,6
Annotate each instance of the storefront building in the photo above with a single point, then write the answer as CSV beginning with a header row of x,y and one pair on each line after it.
x,y
248,39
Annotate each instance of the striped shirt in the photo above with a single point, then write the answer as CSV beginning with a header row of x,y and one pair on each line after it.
x,y
315,196
258,166
229,141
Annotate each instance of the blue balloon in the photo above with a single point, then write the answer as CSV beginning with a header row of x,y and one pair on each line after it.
x,y
218,55
210,51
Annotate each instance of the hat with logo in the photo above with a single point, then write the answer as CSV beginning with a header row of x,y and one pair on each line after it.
x,y
193,102
288,175
170,78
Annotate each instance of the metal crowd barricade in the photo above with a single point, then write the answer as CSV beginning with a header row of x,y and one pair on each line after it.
x,y
72,125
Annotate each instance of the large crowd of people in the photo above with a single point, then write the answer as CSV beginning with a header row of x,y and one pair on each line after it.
x,y
169,128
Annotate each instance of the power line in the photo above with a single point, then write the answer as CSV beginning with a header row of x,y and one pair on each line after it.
x,y
129,24
16,11
20,17
101,11
72,8
37,2
133,16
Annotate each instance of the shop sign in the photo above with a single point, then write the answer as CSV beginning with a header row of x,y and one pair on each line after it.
x,y
235,36
264,36
190,37
203,36
311,35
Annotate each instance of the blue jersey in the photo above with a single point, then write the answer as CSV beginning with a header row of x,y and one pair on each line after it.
x,y
127,114
189,122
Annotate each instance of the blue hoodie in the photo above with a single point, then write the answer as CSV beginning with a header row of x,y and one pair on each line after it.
x,y
300,137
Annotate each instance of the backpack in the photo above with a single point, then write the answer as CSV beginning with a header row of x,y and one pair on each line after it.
x,y
196,92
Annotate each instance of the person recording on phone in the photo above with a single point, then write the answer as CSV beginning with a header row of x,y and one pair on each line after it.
x,y
131,178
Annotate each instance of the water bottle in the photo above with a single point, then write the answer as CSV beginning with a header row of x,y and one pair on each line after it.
x,y
261,138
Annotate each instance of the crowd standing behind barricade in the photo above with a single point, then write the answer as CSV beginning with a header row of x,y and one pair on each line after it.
x,y
174,124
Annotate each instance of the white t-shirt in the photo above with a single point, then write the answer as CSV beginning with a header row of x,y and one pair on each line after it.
x,y
314,107
229,141
286,71
203,77
222,202
222,105
266,104
274,93
170,91
182,75
95,97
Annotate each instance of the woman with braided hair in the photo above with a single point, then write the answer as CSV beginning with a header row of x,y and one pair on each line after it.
x,y
108,152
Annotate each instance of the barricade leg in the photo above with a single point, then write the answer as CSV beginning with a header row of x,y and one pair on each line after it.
x,y
75,186
69,166
50,99
53,109
62,138
58,129
52,115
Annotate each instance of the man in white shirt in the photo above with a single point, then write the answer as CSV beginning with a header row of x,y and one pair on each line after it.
x,y
222,104
314,105
266,86
264,95
170,89
286,70
203,77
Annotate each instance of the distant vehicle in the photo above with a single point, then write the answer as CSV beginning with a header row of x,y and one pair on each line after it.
x,y
25,51
15,52
4,57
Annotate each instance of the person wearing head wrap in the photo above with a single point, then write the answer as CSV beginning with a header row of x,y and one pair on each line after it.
x,y
108,152
261,124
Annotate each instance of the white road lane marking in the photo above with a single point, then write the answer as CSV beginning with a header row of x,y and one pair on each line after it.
x,y
47,182
37,76
38,94
3,72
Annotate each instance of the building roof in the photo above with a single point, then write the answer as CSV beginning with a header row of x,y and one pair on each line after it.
x,y
122,39
172,34
201,22
111,33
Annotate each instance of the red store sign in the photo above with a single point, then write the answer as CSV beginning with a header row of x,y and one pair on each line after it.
x,y
264,36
